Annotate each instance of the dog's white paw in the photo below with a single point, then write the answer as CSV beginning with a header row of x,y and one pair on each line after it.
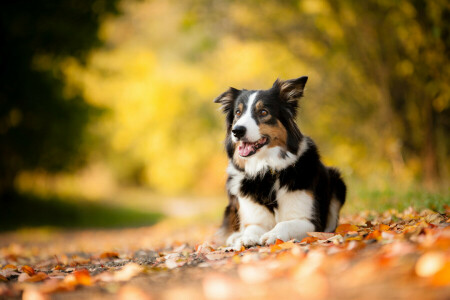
x,y
231,240
246,240
270,237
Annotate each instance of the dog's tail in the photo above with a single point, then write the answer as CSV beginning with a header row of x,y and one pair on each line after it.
x,y
338,186
339,191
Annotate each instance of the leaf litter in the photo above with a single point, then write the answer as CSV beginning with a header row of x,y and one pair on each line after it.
x,y
401,255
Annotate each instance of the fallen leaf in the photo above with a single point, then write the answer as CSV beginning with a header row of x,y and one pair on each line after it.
x,y
287,245
40,276
344,228
376,235
109,255
3,278
309,239
321,235
9,266
381,227
83,277
278,241
27,269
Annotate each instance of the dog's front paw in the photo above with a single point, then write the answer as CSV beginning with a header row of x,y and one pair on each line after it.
x,y
246,240
270,237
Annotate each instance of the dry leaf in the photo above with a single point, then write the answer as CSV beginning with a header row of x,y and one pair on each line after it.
x,y
27,269
40,276
83,277
309,239
344,228
321,235
109,255
9,266
3,278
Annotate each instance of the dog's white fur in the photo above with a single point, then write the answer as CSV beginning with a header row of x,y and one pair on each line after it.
x,y
257,224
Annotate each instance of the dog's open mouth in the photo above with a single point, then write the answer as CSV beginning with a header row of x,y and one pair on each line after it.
x,y
247,149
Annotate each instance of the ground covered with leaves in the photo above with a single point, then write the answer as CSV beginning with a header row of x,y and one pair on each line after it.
x,y
390,255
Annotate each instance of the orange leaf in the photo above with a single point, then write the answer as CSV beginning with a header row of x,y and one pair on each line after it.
x,y
29,270
382,227
278,241
109,255
59,267
10,267
83,277
344,228
40,276
3,278
376,235
309,240
275,248
287,245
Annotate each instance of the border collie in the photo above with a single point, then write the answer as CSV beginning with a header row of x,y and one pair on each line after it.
x,y
277,186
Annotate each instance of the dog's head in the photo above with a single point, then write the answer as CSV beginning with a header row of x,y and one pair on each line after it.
x,y
261,128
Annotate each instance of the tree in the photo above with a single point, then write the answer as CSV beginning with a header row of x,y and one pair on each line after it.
x,y
41,127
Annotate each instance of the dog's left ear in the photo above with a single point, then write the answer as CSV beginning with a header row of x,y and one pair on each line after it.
x,y
291,90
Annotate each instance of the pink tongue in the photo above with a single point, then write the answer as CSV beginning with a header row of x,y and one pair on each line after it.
x,y
245,149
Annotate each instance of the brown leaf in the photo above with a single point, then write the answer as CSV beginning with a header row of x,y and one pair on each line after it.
x,y
344,228
9,266
27,269
40,276
321,235
109,255
3,278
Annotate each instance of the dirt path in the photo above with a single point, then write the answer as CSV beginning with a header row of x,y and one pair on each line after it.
x,y
386,256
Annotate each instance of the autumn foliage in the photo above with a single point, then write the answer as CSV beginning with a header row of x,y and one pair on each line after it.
x,y
394,255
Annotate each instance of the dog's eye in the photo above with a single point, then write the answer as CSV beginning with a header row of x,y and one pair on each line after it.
x,y
238,113
263,113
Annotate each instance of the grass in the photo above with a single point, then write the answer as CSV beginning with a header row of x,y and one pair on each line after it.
x,y
25,210
381,200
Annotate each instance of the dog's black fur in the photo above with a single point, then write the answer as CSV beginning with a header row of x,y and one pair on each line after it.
x,y
305,172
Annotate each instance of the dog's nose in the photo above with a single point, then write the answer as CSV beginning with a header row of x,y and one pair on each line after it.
x,y
239,131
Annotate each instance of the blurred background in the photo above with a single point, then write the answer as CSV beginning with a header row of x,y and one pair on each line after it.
x,y
107,119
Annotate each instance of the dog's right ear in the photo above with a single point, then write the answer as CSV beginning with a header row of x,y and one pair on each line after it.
x,y
227,98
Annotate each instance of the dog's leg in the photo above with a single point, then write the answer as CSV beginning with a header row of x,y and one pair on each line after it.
x,y
287,230
255,219
295,209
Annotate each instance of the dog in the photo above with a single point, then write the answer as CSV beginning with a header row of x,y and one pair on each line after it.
x,y
277,186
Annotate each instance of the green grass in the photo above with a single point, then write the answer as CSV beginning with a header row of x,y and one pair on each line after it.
x,y
23,211
381,200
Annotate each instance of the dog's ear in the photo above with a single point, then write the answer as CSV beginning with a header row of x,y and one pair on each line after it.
x,y
290,90
227,98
